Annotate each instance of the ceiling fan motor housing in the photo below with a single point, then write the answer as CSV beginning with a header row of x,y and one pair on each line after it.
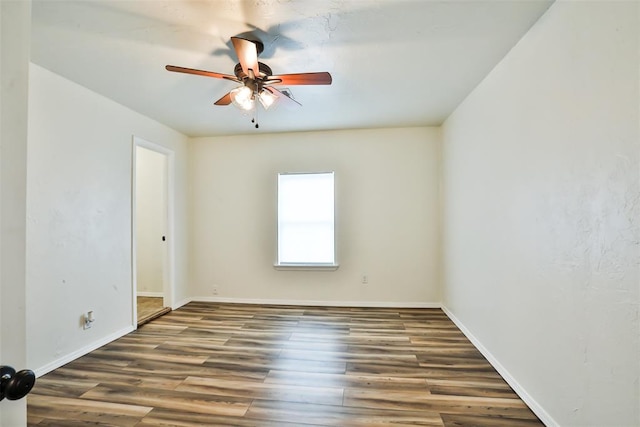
x,y
264,71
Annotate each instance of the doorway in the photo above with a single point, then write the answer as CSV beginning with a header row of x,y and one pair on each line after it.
x,y
151,226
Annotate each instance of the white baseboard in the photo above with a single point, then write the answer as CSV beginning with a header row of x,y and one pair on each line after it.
x,y
81,352
150,294
515,385
372,304
179,304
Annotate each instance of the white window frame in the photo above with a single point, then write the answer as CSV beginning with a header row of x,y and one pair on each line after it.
x,y
306,265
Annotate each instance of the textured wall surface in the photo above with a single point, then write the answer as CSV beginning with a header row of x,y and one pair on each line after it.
x,y
79,201
542,213
387,213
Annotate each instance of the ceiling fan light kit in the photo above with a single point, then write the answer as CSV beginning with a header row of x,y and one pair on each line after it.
x,y
242,97
267,99
256,79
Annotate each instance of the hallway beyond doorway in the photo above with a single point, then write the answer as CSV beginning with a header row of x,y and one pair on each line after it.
x,y
150,308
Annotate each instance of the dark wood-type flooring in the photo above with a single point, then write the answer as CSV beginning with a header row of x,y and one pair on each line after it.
x,y
209,364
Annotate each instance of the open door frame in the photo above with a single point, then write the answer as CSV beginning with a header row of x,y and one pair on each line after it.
x,y
169,282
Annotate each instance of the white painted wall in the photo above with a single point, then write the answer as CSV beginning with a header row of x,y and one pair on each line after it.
x,y
79,216
15,36
387,195
541,214
151,219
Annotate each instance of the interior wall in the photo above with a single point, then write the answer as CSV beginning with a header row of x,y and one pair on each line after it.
x,y
79,209
15,35
387,220
151,218
541,214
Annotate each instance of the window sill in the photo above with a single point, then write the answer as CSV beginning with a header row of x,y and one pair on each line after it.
x,y
307,267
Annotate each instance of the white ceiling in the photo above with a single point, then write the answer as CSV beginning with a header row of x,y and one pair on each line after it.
x,y
394,63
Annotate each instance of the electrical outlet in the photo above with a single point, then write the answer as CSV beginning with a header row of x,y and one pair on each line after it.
x,y
214,290
88,319
365,279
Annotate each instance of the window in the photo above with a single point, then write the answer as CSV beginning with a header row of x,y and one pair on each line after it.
x,y
306,220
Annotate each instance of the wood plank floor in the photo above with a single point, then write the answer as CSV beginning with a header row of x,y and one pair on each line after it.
x,y
150,308
209,364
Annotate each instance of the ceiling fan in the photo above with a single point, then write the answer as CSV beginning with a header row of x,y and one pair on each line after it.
x,y
256,79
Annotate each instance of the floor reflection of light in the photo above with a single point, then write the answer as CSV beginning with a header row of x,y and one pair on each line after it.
x,y
313,361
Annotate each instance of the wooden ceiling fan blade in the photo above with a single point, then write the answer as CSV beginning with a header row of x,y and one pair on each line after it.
x,y
247,52
322,78
177,69
225,100
282,97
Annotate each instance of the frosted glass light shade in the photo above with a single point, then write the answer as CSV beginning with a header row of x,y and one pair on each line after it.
x,y
242,97
267,99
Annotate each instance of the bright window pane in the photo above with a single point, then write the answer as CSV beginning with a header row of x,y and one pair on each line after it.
x,y
306,218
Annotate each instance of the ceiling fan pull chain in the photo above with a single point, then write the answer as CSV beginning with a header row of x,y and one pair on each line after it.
x,y
255,115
